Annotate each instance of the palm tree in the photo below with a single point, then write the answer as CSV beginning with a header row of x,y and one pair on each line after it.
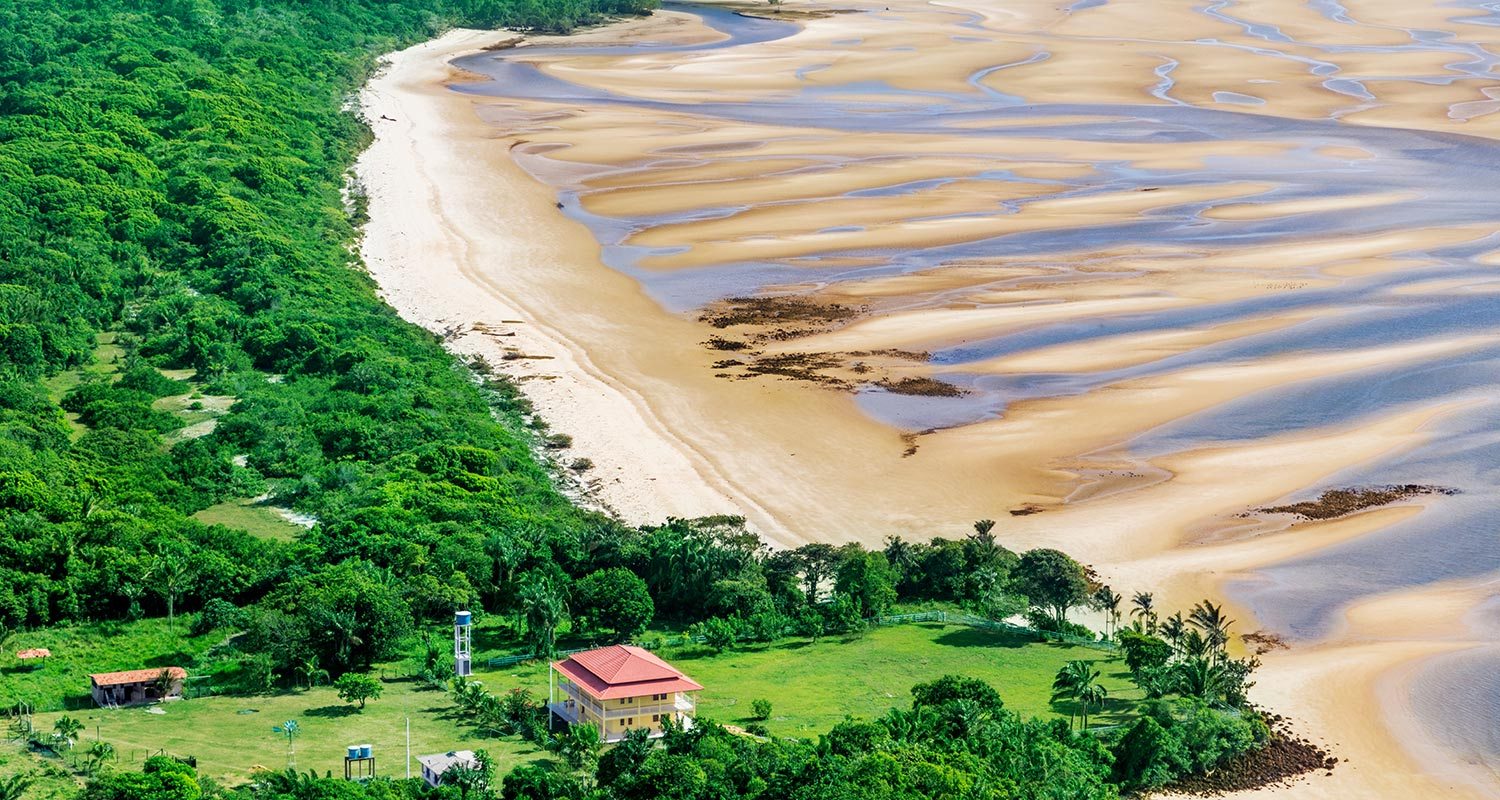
x,y
901,556
1089,696
981,546
1073,682
1108,600
580,745
1211,619
1194,645
468,694
66,730
310,672
1174,629
14,787
1144,606
906,726
99,752
1201,678
343,629
171,579
544,612
506,556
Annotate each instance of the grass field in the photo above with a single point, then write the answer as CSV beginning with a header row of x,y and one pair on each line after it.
x,y
812,686
231,736
49,780
107,356
79,650
255,518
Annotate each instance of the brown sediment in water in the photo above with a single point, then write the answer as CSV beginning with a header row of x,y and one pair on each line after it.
x,y
1262,642
1336,503
920,386
777,317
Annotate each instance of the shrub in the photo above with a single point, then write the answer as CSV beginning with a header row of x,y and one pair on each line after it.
x,y
354,687
718,633
218,614
760,709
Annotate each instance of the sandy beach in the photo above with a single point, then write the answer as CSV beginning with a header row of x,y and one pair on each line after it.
x,y
498,222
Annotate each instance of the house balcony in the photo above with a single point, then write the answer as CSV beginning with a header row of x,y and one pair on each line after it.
x,y
615,721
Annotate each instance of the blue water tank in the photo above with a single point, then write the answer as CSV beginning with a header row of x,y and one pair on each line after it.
x,y
366,751
353,751
461,617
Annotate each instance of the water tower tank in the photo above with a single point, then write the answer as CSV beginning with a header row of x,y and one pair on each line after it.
x,y
366,751
353,751
461,617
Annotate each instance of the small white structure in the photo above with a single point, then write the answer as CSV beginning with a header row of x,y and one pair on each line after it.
x,y
434,766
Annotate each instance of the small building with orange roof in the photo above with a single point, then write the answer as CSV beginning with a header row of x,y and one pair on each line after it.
x,y
619,689
135,686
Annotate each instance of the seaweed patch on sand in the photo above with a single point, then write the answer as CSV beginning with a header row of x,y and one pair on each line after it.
x,y
779,317
1336,503
760,321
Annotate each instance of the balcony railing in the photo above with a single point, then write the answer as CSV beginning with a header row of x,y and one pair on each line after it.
x,y
676,703
572,716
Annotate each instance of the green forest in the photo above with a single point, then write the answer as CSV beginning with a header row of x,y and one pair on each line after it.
x,y
177,230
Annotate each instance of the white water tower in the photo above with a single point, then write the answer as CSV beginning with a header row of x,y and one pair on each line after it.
x,y
463,648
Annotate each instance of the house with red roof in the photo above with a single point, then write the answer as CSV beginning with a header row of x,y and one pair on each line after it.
x,y
619,689
137,686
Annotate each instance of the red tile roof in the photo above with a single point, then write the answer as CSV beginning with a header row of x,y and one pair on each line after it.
x,y
136,676
623,671
35,652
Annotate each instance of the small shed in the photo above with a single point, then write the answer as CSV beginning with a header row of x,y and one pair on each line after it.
x,y
136,686
434,766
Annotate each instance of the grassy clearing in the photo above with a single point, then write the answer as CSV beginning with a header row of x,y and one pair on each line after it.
x,y
232,736
254,517
49,781
812,686
78,651
108,356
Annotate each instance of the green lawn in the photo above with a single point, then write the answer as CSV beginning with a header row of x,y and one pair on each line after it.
x,y
813,686
107,357
231,736
49,781
79,650
255,518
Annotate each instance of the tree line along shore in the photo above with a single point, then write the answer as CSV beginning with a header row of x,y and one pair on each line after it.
x,y
183,328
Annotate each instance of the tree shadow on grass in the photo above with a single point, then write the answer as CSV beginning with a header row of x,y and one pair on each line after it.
x,y
331,711
975,637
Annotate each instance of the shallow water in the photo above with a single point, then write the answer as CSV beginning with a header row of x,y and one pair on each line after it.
x,y
1308,130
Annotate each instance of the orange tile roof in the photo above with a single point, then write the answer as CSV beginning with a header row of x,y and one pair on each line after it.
x,y
35,652
623,671
136,676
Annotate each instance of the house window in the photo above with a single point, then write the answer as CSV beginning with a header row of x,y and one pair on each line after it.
x,y
656,718
629,721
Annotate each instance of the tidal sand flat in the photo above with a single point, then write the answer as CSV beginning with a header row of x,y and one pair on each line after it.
x,y
1143,268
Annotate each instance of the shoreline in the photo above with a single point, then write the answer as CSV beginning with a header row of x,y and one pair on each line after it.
x,y
648,423
450,292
